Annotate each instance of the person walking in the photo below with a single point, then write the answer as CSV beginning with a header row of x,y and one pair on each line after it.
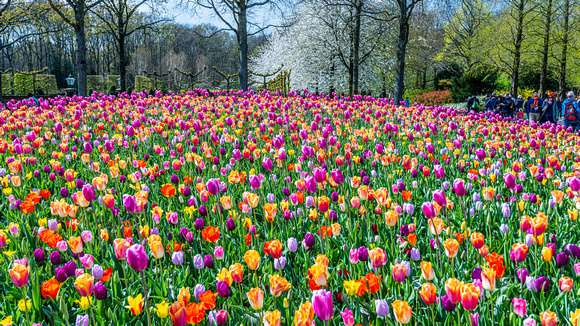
x,y
520,108
571,112
549,109
491,104
535,107
472,103
507,109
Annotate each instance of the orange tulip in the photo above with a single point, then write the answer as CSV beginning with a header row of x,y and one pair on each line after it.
x,y
451,247
184,296
272,318
19,275
488,193
477,240
226,202
557,196
121,245
275,248
270,210
566,284
488,277
75,244
278,285
211,234
252,259
224,275
453,290
427,270
253,200
539,225
168,190
319,274
377,257
177,313
428,293
207,299
84,284
49,289
549,318
391,217
256,298
469,296
237,272
436,226
374,282
195,313
156,246
403,311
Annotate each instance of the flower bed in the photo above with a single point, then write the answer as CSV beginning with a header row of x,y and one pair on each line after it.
x,y
244,208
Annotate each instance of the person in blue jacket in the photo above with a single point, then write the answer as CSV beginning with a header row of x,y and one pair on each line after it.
x,y
534,106
571,112
491,104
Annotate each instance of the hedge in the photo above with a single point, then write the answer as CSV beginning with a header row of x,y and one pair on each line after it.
x,y
24,84
111,81
143,83
95,83
6,81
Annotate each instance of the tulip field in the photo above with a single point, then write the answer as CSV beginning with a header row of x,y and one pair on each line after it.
x,y
237,208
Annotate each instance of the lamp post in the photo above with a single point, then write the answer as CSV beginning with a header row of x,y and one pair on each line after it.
x,y
70,81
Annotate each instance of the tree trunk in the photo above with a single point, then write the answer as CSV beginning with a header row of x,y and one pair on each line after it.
x,y
81,39
544,69
356,45
518,50
564,58
243,44
122,63
401,51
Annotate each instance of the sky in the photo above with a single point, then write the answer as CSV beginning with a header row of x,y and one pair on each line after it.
x,y
188,16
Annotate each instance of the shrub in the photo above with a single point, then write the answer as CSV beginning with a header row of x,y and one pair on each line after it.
x,y
95,83
110,82
480,80
142,83
411,93
434,98
24,84
6,79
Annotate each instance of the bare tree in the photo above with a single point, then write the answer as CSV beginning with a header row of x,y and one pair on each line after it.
x,y
235,14
405,11
80,9
121,19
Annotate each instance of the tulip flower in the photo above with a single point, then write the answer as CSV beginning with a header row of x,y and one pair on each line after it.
x,y
322,304
402,311
548,318
428,293
19,275
520,307
135,304
137,257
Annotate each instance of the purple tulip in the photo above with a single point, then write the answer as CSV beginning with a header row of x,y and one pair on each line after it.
x,y
447,304
381,308
319,175
100,291
255,182
510,180
363,253
130,203
223,289
337,176
311,185
459,187
439,171
322,304
439,198
61,274
137,257
562,259
89,192
428,210
82,320
267,164
213,186
542,282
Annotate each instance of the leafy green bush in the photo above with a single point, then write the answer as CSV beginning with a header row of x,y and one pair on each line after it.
x,y
95,83
412,93
6,85
24,84
111,81
143,83
479,80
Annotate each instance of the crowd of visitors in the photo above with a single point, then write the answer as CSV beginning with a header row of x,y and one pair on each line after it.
x,y
549,108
